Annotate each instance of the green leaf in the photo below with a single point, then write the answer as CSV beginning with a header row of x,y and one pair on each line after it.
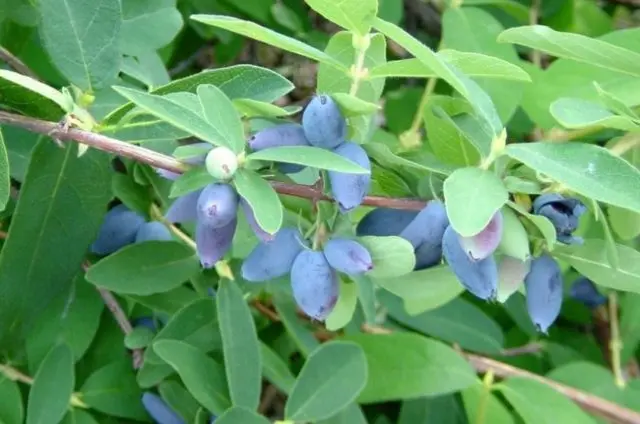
x,y
541,223
112,390
425,289
262,198
406,366
392,256
88,62
574,46
587,169
515,240
78,416
52,386
613,103
148,25
195,323
47,244
11,408
629,325
168,302
222,115
591,378
345,307
381,153
302,337
517,10
202,376
480,402
475,65
275,369
238,81
255,108
591,260
474,188
352,15
332,377
457,321
267,36
242,358
240,415
138,338
32,96
191,151
308,156
175,113
526,396
192,180
5,178
73,317
578,113
352,414
145,268
353,106
443,409
179,399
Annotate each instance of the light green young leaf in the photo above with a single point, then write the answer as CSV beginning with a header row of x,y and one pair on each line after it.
x,y
268,36
408,365
578,113
591,260
345,307
475,65
52,386
148,25
262,198
331,378
613,103
192,180
392,256
254,108
352,15
191,151
514,241
353,106
574,46
242,359
175,113
5,177
145,268
201,375
381,153
238,81
474,188
222,115
37,87
585,168
82,39
30,97
541,223
308,156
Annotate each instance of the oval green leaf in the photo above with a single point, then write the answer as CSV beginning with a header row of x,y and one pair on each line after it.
x,y
392,256
52,387
579,113
345,307
240,415
222,115
309,156
262,198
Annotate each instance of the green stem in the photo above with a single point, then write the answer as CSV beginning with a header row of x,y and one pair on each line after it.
x,y
615,344
357,70
487,384
417,119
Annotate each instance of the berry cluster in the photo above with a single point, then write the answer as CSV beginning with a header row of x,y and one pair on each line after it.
x,y
122,226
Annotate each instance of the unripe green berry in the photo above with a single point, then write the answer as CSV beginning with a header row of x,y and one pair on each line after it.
x,y
221,163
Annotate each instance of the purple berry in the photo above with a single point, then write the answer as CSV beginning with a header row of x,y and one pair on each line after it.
x,y
217,205
323,123
153,230
251,220
348,256
315,284
184,208
584,291
118,229
277,136
486,241
384,222
349,190
543,286
425,234
213,243
478,277
273,259
564,214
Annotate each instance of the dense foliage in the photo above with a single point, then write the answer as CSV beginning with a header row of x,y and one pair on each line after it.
x,y
354,211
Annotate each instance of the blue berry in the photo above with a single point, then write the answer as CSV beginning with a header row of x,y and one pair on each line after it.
x,y
348,256
273,259
153,230
159,410
543,285
584,291
217,205
212,243
564,214
315,284
349,190
119,229
323,123
425,234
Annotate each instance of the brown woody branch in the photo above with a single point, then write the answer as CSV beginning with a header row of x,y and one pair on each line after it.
x,y
158,160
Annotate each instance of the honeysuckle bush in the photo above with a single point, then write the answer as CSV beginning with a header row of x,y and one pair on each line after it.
x,y
246,243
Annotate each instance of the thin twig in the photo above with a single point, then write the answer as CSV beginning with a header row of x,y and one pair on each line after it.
x,y
15,63
615,345
270,394
15,375
159,160
120,316
533,347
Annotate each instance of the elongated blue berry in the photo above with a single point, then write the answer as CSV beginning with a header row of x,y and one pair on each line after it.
x,y
486,241
213,243
478,277
564,214
217,205
348,256
273,259
349,190
543,286
323,123
425,234
584,291
153,230
159,410
280,135
184,208
384,222
119,228
251,220
315,284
